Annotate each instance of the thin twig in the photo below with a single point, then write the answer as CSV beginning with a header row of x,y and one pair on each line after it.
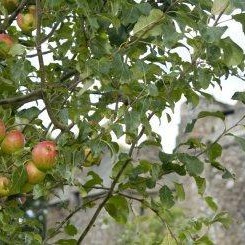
x,y
221,13
54,232
50,34
153,210
225,131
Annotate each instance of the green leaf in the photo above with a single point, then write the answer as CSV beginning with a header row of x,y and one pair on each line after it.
x,y
54,3
85,87
38,191
168,166
223,218
166,197
218,114
204,78
204,240
240,96
240,18
149,25
165,157
211,203
29,113
117,207
117,129
219,6
95,180
17,49
239,140
201,184
190,126
239,4
168,240
194,166
233,54
70,230
214,151
152,89
132,121
19,178
213,54
228,175
121,69
66,242
180,192
212,33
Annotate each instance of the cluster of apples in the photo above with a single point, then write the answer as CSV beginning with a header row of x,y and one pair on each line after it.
x,y
44,156
25,20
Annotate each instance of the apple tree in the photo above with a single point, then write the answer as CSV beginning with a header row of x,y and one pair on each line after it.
x,y
76,75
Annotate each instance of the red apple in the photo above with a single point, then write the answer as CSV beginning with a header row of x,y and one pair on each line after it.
x,y
4,186
10,5
2,130
13,141
44,155
6,42
34,175
27,21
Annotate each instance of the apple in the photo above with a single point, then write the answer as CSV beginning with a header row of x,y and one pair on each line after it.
x,y
90,159
44,155
2,130
34,175
27,21
6,43
10,5
4,186
13,142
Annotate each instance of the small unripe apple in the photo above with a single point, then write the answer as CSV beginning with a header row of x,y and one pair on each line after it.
x,y
6,43
27,21
34,175
2,130
90,159
4,186
10,5
13,142
44,155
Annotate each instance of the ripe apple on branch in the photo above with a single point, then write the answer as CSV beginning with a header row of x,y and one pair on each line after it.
x,y
6,43
44,156
27,19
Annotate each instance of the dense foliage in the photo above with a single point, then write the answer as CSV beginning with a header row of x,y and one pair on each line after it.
x,y
105,68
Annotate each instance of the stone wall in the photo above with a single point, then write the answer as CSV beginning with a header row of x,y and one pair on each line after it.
x,y
229,194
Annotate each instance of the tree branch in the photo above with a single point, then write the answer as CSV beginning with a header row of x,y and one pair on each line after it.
x,y
51,114
22,99
50,34
153,210
113,185
90,200
221,13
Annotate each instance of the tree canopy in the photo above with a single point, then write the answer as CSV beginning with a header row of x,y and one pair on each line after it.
x,y
105,68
